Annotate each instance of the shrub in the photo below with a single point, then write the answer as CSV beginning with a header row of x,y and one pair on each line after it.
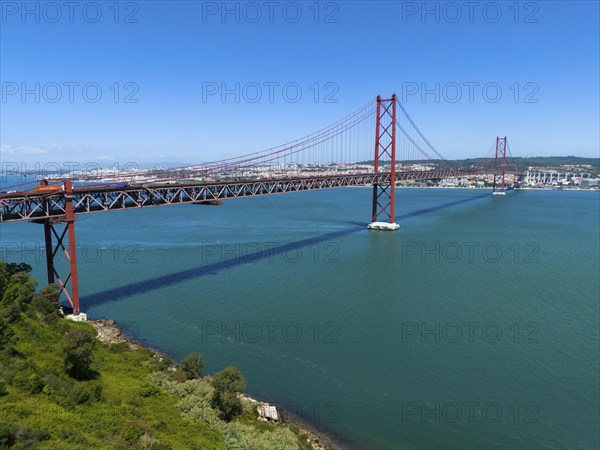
x,y
45,303
147,440
78,347
119,347
12,268
7,435
72,436
26,437
229,380
227,384
11,312
6,332
164,363
149,390
54,384
34,384
81,394
192,365
28,381
96,392
132,435
85,393
19,291
178,375
228,404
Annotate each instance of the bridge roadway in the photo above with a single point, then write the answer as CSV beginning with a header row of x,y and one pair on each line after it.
x,y
23,206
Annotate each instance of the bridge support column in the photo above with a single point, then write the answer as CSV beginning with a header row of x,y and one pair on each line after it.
x,y
69,284
383,214
499,166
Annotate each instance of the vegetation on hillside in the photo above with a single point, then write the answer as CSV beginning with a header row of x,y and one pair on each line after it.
x,y
61,388
523,162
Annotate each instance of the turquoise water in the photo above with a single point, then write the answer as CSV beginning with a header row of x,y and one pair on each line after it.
x,y
474,326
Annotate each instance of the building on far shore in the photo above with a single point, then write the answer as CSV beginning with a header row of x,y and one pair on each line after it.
x,y
590,183
552,177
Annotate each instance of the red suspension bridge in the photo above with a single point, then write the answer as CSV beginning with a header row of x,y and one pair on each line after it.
x,y
340,155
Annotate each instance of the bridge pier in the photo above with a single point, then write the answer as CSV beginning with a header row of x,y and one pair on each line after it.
x,y
385,147
69,284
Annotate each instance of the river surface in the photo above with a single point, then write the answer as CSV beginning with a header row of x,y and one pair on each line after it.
x,y
474,326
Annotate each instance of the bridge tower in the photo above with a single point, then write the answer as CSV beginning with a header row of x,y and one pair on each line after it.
x,y
68,283
499,166
385,150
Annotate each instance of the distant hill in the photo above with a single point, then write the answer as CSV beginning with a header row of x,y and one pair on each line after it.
x,y
537,161
544,161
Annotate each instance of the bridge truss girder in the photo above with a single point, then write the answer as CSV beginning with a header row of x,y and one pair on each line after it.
x,y
36,208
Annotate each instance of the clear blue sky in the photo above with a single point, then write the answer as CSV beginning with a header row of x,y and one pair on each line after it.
x,y
362,48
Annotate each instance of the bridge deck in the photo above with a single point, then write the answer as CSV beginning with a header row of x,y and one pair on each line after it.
x,y
21,206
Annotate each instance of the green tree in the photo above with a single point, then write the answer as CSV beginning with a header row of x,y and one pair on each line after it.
x,y
192,365
17,293
12,268
229,380
45,302
78,348
6,333
227,404
3,278
227,384
7,271
19,289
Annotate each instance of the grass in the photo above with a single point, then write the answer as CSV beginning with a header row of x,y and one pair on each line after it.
x,y
122,418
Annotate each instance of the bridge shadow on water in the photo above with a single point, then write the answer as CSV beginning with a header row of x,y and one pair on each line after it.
x,y
152,284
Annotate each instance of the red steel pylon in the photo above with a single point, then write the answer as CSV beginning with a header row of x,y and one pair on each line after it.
x,y
500,163
68,284
385,148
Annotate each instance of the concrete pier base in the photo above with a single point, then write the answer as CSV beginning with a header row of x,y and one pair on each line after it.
x,y
384,226
81,317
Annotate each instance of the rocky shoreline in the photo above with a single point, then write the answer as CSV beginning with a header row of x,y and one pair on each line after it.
x,y
109,332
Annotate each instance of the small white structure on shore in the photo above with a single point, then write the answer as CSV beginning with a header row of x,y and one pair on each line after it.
x,y
268,412
81,317
385,226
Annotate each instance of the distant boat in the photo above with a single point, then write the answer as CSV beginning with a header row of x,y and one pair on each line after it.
x,y
498,193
